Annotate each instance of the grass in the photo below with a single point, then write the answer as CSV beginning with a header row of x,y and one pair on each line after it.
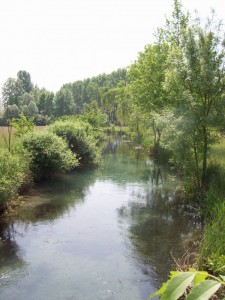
x,y
213,247
212,252
4,135
217,153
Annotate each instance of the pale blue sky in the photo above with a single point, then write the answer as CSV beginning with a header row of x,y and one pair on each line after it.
x,y
61,41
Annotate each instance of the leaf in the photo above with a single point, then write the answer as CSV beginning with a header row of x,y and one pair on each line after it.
x,y
222,277
204,290
199,277
160,291
177,285
164,285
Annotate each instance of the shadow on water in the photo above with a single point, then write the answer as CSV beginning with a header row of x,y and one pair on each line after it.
x,y
53,198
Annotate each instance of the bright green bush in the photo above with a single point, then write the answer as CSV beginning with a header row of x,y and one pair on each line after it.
x,y
13,171
49,154
80,139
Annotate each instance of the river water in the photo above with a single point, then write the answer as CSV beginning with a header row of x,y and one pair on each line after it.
x,y
95,234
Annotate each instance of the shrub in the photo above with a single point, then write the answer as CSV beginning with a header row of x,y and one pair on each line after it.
x,y
49,154
13,171
80,140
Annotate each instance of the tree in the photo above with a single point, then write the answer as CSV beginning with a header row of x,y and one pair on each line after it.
x,y
11,111
25,99
32,109
175,27
25,78
197,74
64,102
147,77
124,104
109,104
11,91
46,102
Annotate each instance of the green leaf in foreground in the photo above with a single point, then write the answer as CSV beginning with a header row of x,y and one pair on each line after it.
x,y
160,291
177,286
204,290
222,277
199,277
164,285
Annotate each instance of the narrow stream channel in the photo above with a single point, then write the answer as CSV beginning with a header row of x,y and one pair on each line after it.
x,y
97,234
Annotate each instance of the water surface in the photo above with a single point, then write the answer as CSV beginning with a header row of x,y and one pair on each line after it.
x,y
95,234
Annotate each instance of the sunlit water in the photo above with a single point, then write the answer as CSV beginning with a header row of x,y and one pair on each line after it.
x,y
100,234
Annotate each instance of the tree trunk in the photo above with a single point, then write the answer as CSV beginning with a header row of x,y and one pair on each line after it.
x,y
154,131
204,159
198,179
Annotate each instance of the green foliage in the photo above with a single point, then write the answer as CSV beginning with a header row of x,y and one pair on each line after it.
x,y
92,89
25,99
11,91
32,109
94,115
13,170
64,102
213,245
11,111
45,103
25,78
147,76
215,264
22,125
201,284
80,138
49,154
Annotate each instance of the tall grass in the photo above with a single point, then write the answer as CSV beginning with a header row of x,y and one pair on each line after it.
x,y
213,247
4,136
212,252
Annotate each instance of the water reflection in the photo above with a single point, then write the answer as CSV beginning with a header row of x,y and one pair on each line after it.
x,y
155,217
55,197
103,234
12,264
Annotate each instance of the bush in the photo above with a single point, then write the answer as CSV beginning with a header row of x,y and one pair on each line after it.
x,y
80,139
49,154
13,171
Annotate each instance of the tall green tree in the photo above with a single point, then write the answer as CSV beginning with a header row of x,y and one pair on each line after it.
x,y
11,111
64,102
32,109
11,91
25,78
25,99
147,77
46,103
197,75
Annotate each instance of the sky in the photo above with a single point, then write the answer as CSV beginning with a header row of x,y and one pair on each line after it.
x,y
61,41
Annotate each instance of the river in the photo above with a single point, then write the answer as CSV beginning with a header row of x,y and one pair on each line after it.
x,y
95,234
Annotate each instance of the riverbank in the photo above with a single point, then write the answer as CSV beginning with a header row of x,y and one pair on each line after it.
x,y
32,155
96,233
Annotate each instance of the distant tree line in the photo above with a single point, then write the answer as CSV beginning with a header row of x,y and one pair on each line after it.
x,y
101,93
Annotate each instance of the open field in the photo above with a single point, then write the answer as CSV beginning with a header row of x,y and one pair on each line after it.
x,y
4,135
